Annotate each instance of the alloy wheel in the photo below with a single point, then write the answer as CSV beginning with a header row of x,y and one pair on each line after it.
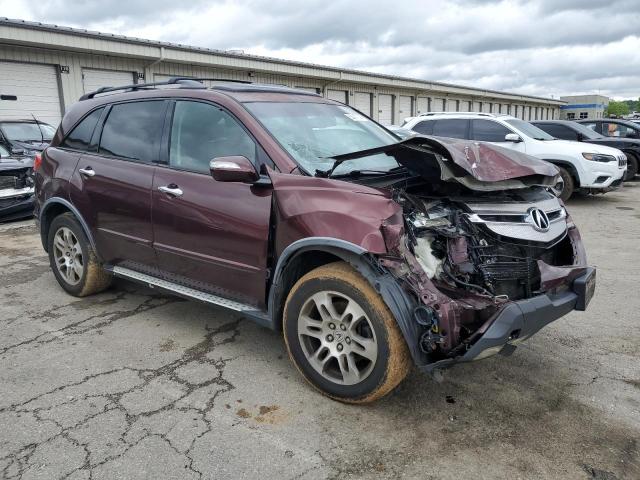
x,y
337,338
67,255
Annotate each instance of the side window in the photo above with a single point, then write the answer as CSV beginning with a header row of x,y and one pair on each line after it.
x,y
453,128
201,132
488,131
80,137
592,126
425,127
132,131
559,131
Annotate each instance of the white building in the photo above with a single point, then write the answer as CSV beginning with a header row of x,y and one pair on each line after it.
x,y
584,106
48,67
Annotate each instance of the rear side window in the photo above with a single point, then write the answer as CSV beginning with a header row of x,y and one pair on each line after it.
x,y
453,128
80,137
201,132
558,131
425,127
132,131
488,131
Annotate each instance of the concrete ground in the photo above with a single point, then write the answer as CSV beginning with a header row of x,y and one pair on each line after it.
x,y
135,384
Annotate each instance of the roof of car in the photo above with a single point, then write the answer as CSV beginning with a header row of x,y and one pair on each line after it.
x,y
563,122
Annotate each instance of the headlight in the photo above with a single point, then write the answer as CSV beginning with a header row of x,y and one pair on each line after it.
x,y
598,157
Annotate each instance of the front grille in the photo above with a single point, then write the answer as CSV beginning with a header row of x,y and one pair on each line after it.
x,y
622,161
8,182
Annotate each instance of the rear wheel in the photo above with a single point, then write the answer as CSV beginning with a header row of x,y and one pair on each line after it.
x,y
73,261
632,167
569,184
342,337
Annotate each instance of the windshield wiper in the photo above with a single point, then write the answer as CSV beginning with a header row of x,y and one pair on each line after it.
x,y
367,172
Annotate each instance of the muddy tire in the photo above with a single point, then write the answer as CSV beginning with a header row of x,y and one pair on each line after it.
x,y
73,260
342,337
632,167
569,184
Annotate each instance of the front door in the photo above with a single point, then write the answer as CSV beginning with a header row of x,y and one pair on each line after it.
x,y
112,186
210,235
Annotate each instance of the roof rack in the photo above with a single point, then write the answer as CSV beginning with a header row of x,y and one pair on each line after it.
x,y
182,82
480,114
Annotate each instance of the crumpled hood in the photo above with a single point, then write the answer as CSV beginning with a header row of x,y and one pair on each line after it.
x,y
36,145
15,163
447,159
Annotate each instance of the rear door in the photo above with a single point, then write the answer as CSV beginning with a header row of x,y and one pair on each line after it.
x,y
209,235
112,183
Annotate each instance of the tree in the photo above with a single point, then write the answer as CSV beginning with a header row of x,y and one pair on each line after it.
x,y
618,109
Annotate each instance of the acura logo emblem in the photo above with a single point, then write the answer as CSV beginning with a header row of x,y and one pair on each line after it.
x,y
539,220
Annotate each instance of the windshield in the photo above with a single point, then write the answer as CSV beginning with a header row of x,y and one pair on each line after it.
x,y
586,131
529,130
312,133
27,132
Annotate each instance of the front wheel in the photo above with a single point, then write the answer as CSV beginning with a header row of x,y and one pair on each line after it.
x,y
632,167
568,184
342,337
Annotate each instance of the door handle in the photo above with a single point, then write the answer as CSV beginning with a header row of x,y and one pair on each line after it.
x,y
171,190
89,172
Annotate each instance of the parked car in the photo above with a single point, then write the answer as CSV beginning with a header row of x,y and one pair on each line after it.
x,y
400,131
16,186
613,127
577,132
369,253
25,137
585,167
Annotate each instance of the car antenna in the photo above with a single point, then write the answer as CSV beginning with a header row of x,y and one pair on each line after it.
x,y
39,129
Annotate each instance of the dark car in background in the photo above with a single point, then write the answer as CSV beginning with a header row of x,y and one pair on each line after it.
x,y
368,252
570,130
613,127
16,186
25,137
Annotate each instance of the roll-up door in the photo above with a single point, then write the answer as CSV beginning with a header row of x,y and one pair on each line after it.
x,y
92,80
309,89
385,109
422,105
337,95
405,107
476,107
35,88
362,102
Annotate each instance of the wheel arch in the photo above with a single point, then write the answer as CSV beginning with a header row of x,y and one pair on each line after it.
x,y
304,255
54,207
567,166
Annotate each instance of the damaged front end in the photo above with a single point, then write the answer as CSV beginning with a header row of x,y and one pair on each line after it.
x,y
488,262
16,188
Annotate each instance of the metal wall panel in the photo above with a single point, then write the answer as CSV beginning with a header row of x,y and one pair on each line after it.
x,y
95,79
422,105
36,87
385,109
405,107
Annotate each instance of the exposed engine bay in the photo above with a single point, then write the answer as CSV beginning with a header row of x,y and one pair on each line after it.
x,y
478,251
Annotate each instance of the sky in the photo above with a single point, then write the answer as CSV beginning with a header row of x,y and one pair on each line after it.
x,y
537,47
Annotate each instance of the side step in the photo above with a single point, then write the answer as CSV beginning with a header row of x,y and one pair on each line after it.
x,y
250,311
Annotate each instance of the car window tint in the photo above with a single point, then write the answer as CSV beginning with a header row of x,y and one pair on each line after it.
x,y
592,126
201,132
558,131
80,136
453,128
132,130
488,131
616,130
425,127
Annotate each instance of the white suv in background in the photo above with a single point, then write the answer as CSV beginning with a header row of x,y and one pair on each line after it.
x,y
590,168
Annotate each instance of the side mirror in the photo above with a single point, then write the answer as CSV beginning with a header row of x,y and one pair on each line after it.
x,y
233,169
512,137
632,134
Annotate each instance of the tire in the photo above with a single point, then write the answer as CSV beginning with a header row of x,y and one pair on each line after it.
x,y
632,167
374,356
73,260
569,184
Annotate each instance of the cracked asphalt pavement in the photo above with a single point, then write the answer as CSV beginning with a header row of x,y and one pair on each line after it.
x,y
133,384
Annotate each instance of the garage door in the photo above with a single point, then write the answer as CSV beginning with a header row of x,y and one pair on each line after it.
x,y
385,109
438,105
36,89
309,89
423,105
405,106
92,80
362,102
464,105
476,107
337,95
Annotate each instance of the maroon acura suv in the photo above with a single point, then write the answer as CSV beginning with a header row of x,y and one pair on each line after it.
x,y
369,252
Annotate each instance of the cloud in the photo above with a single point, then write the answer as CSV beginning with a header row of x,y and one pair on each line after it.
x,y
539,47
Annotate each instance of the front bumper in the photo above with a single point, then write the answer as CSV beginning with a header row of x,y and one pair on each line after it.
x,y
16,208
520,320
